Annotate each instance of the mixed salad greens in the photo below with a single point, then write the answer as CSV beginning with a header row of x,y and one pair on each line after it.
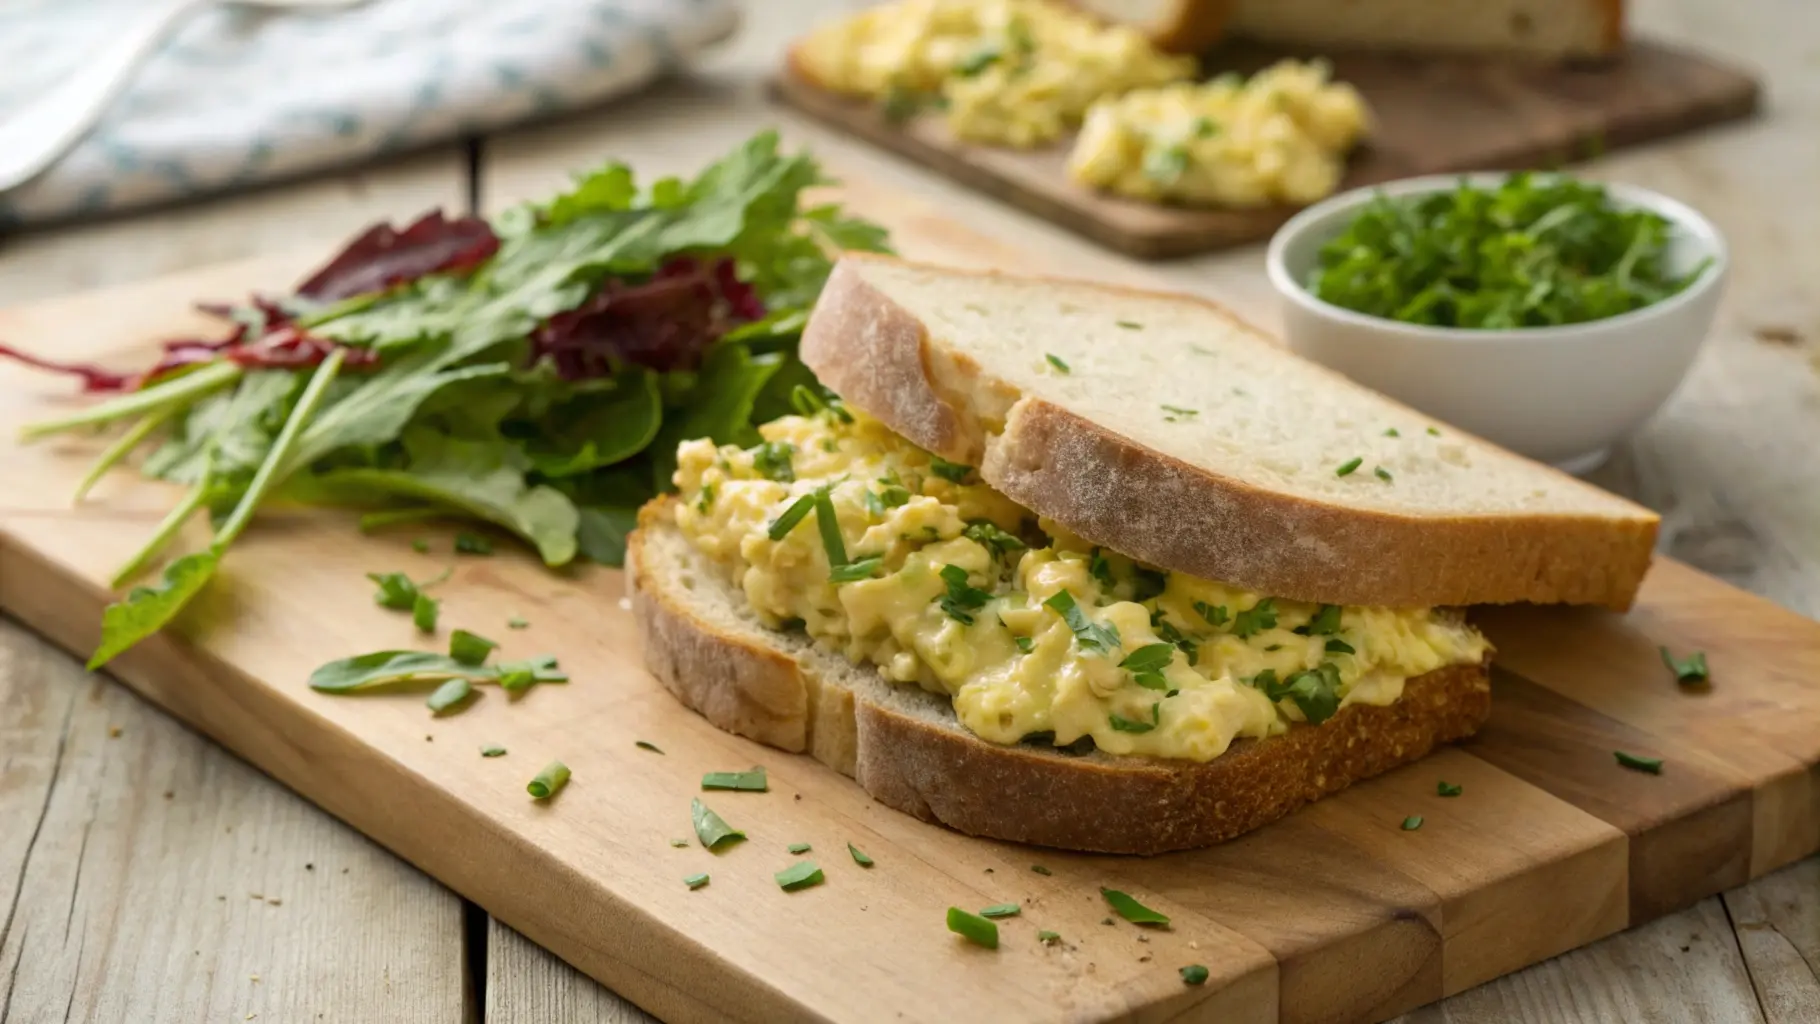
x,y
535,371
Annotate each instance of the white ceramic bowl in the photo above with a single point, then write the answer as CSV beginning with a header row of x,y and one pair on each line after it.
x,y
1557,394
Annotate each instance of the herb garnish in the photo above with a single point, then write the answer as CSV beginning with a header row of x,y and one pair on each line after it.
x,y
1257,618
1130,325
856,570
1324,622
973,928
1688,670
1445,788
1101,569
424,609
470,648
421,546
1194,974
953,472
549,782
1652,765
1382,474
799,876
1432,432
753,781
695,882
1120,723
396,591
450,695
713,832
772,461
1349,466
1131,910
1411,823
859,858
1164,164
647,745
986,534
1024,643
1047,937
419,668
962,599
492,750
1177,413
1041,870
796,513
1338,646
472,544
1392,432
1002,910
1056,361
1146,665
798,848
1091,636
1315,691
1215,614
516,622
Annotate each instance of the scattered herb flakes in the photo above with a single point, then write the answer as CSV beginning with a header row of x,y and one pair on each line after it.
x,y
695,881
421,546
973,928
987,534
1164,164
1652,765
798,848
796,513
1056,361
1411,823
1315,691
953,472
1382,474
1131,910
470,648
1445,788
1392,432
1194,974
1215,614
1041,870
679,843
1688,670
1130,325
962,599
396,591
772,460
1255,619
1177,413
1324,622
647,745
517,623
1002,910
424,611
492,750
1146,665
856,570
799,876
1091,636
1120,723
1047,937
1348,467
1433,432
549,782
450,695
1338,646
750,781
711,828
858,857
472,544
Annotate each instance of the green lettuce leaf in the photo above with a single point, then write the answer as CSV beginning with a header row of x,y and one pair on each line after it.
x,y
146,610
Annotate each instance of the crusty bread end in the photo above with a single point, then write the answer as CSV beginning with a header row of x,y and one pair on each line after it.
x,y
905,747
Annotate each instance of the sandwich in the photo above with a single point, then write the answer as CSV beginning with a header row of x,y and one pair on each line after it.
x,y
1099,569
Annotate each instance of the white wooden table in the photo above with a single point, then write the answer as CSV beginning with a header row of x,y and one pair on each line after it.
x,y
146,875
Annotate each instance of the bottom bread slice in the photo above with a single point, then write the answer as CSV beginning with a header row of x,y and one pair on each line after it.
x,y
905,747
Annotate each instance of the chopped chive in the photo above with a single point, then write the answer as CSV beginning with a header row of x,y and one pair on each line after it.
x,y
1652,765
423,613
1445,788
973,928
1432,432
549,782
516,623
1002,910
470,648
472,544
752,781
1392,432
1131,910
1178,411
953,472
450,695
1382,474
1024,643
1056,361
1346,468
711,829
796,513
679,843
695,881
1411,823
799,876
856,570
829,526
859,858
492,750
1338,646
798,847
396,591
1130,325
1691,669
646,745
1194,974
1041,870
1047,937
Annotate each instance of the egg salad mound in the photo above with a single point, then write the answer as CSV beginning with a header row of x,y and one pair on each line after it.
x,y
1009,72
1280,137
837,526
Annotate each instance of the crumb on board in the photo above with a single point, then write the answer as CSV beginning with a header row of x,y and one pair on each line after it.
x,y
275,901
1777,334
113,732
170,794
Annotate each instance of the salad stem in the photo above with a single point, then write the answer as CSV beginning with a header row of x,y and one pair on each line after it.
x,y
280,453
167,528
174,392
123,447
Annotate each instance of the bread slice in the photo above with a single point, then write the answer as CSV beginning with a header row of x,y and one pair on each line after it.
x,y
906,748
1246,489
1573,29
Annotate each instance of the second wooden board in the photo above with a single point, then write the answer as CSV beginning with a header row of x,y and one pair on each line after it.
x,y
1435,115
1337,913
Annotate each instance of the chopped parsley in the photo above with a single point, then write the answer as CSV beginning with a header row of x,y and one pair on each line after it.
x,y
772,461
962,599
1652,765
982,57
396,591
1167,631
1411,823
705,500
807,402
1691,669
1146,665
1338,646
1056,361
1445,788
801,875
1101,569
1131,910
1349,466
1256,619
1089,635
1194,974
1024,643
1432,432
1326,622
1215,614
986,534
1392,432
953,472
1315,691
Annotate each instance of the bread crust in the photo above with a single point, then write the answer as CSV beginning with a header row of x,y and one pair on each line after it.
x,y
751,685
881,357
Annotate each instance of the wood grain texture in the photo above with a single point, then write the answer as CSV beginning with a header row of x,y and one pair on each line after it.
x,y
147,875
526,985
1777,919
1434,115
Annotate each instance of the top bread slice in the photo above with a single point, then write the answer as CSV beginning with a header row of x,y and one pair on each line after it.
x,y
1572,29
1164,428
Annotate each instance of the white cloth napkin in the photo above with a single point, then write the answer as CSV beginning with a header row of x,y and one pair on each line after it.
x,y
240,95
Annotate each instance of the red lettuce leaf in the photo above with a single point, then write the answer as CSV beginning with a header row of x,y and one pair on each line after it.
x,y
383,257
664,323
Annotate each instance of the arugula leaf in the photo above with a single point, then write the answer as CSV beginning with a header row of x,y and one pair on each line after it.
x,y
415,670
598,428
601,533
718,407
146,610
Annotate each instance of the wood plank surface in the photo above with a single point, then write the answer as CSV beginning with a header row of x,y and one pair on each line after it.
x,y
1434,115
128,863
1503,877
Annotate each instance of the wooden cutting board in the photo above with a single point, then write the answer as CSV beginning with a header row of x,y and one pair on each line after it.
x,y
1435,115
1334,914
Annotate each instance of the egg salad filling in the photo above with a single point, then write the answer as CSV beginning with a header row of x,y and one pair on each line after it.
x,y
1009,72
1281,136
891,556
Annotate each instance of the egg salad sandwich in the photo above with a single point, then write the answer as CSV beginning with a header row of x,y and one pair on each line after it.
x,y
1098,569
